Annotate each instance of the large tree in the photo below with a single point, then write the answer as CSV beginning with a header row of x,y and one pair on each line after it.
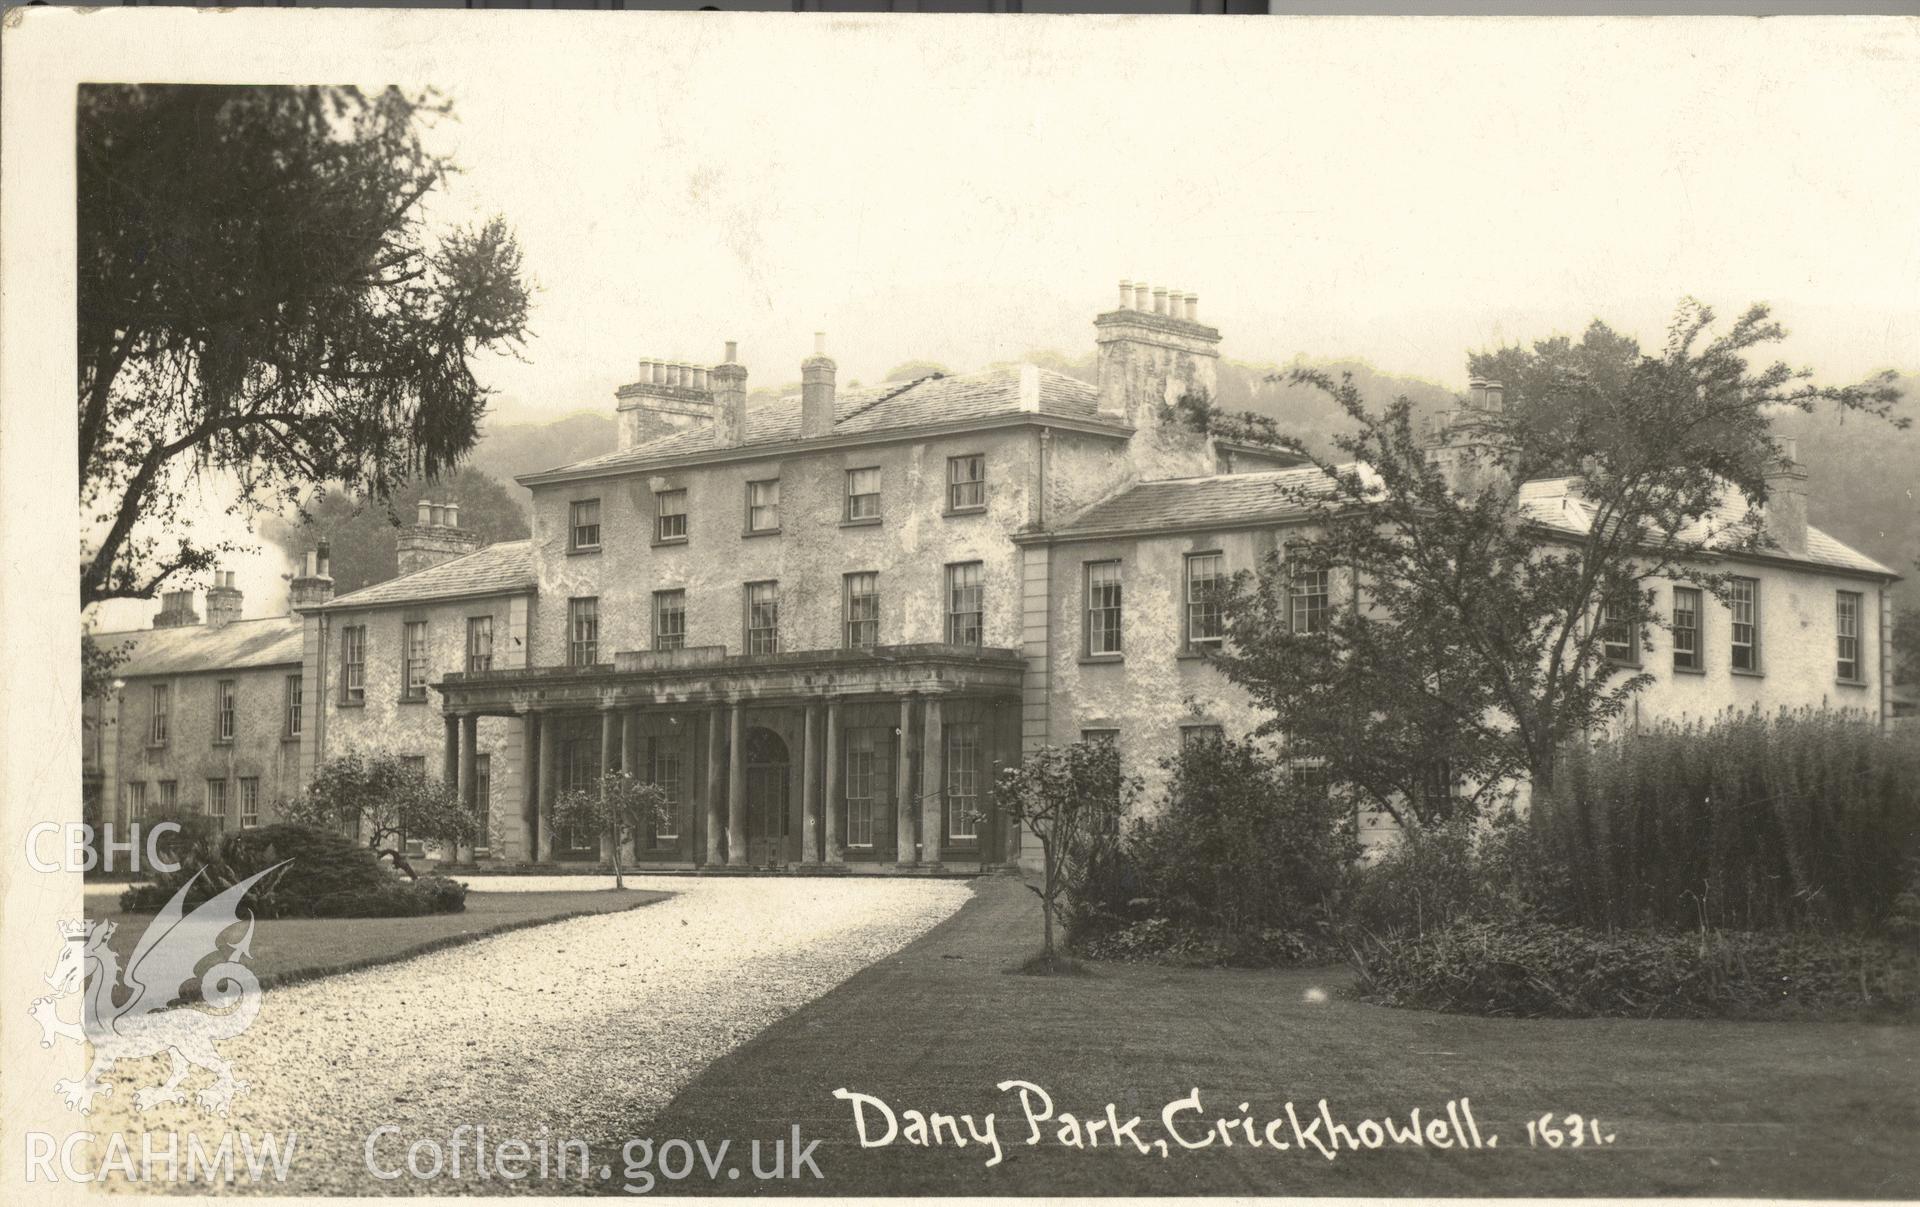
x,y
1476,644
262,309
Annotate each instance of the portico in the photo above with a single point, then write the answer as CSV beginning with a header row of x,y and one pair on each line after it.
x,y
808,761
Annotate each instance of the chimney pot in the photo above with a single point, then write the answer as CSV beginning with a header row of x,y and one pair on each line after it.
x,y
325,551
1477,392
1159,301
453,515
1193,307
425,515
1126,295
819,343
733,352
1496,395
1140,295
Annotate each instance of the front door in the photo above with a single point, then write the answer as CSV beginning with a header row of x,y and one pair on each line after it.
x,y
767,814
766,767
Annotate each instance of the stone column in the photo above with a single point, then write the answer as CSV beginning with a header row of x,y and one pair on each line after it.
x,y
450,766
529,784
903,809
549,760
736,790
609,736
809,793
933,782
836,851
630,763
469,770
716,770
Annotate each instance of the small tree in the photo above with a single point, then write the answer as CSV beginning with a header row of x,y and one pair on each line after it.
x,y
1071,799
616,805
381,799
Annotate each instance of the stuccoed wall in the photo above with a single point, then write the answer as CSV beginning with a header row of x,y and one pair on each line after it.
x,y
910,547
386,723
190,756
1798,651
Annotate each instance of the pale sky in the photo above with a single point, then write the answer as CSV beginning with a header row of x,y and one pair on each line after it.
x,y
967,190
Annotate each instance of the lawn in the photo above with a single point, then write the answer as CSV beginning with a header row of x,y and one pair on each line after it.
x,y
1692,1108
286,950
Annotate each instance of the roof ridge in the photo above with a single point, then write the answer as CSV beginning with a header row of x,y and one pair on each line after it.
x,y
490,547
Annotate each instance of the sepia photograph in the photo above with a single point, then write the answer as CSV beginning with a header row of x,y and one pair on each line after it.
x,y
909,605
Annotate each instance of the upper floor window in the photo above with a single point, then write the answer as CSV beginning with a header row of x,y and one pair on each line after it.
x,y
966,604
1743,601
1206,586
1616,635
763,618
162,706
353,664
1306,599
585,525
862,609
1200,737
863,494
415,660
583,630
1686,629
670,515
669,620
479,643
763,506
967,482
224,701
1103,608
294,689
1847,626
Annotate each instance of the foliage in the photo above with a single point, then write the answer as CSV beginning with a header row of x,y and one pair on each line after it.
x,y
1473,654
261,309
1906,645
363,534
327,875
1535,969
1159,940
1071,799
617,805
914,370
380,798
1427,880
1806,819
1241,846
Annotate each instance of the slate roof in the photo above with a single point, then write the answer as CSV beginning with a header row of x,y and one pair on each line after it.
x,y
1199,502
497,569
1550,501
238,645
1275,495
877,409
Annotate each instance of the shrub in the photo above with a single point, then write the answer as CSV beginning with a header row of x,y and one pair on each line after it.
x,y
1158,940
1751,823
1535,969
1239,849
327,876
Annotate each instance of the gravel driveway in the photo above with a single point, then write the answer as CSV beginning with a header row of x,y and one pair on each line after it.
x,y
557,1031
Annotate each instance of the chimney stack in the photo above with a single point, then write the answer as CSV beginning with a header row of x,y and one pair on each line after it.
x,y
671,396
436,537
176,610
729,399
223,600
1150,357
816,390
1786,509
314,584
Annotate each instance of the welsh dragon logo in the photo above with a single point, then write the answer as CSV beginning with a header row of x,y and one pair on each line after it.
x,y
127,1016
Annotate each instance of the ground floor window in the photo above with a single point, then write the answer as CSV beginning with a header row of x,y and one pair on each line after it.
x,y
963,781
217,803
579,767
249,803
665,771
866,782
